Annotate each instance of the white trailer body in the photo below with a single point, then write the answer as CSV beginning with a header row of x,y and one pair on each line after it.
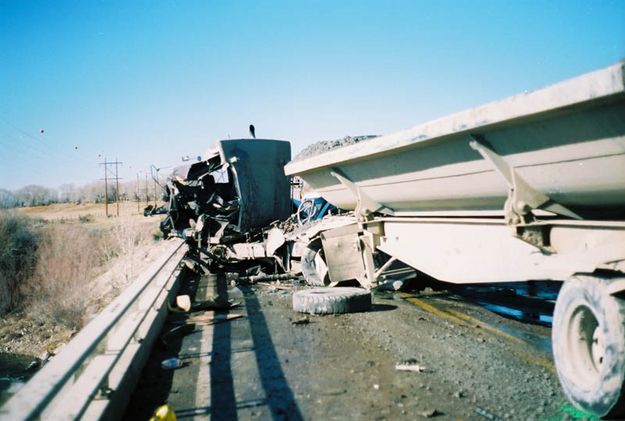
x,y
528,188
567,141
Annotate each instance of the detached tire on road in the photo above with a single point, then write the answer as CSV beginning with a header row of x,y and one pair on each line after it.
x,y
589,345
332,300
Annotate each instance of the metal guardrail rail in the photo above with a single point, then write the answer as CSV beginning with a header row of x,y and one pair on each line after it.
x,y
92,378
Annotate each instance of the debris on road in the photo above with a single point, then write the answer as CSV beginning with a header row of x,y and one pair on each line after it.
x,y
332,300
258,279
277,286
338,360
210,318
171,363
164,413
487,414
429,413
183,302
334,392
299,322
184,305
410,366
214,305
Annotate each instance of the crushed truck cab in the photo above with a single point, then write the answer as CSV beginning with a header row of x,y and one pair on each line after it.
x,y
230,196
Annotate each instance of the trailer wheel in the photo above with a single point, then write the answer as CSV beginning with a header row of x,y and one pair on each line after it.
x,y
306,211
332,300
589,345
314,266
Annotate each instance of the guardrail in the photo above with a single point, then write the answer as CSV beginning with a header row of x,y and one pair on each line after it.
x,y
93,376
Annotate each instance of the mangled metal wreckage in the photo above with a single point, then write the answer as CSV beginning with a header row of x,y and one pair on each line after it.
x,y
228,206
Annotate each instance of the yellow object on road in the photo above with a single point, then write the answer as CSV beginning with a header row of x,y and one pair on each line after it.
x,y
164,413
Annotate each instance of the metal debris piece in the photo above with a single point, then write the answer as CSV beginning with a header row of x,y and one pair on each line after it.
x,y
275,286
254,270
487,414
334,392
299,322
183,302
210,318
429,413
264,277
183,305
410,367
214,305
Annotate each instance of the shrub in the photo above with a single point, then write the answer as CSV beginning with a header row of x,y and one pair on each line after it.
x,y
19,240
69,258
49,270
127,234
86,218
157,234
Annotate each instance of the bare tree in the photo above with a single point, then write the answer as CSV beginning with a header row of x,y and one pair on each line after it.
x,y
8,199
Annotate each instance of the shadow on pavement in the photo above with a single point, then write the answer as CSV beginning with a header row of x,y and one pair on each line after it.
x,y
279,395
223,400
382,307
155,383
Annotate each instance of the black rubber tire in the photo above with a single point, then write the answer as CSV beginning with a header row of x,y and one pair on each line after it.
x,y
309,267
588,337
332,300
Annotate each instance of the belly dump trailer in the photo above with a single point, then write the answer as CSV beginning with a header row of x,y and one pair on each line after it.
x,y
528,188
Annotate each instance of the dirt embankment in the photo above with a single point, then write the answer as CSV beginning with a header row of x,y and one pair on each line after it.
x,y
85,260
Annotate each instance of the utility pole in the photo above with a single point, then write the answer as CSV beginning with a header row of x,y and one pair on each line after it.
x,y
106,165
116,188
146,191
155,182
137,194
106,188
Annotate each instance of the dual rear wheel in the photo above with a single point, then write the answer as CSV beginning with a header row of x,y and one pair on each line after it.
x,y
589,345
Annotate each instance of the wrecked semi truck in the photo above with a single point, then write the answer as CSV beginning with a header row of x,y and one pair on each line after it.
x,y
235,207
223,206
528,188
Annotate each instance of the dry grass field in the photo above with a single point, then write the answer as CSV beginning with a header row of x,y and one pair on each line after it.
x,y
83,260
74,212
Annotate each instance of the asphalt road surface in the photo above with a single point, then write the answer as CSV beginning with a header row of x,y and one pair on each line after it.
x,y
272,363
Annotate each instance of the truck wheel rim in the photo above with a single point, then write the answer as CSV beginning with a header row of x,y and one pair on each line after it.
x,y
598,349
587,345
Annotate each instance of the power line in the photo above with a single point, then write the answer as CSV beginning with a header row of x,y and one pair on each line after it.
x,y
106,178
44,149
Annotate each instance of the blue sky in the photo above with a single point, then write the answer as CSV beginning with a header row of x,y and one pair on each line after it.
x,y
147,82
